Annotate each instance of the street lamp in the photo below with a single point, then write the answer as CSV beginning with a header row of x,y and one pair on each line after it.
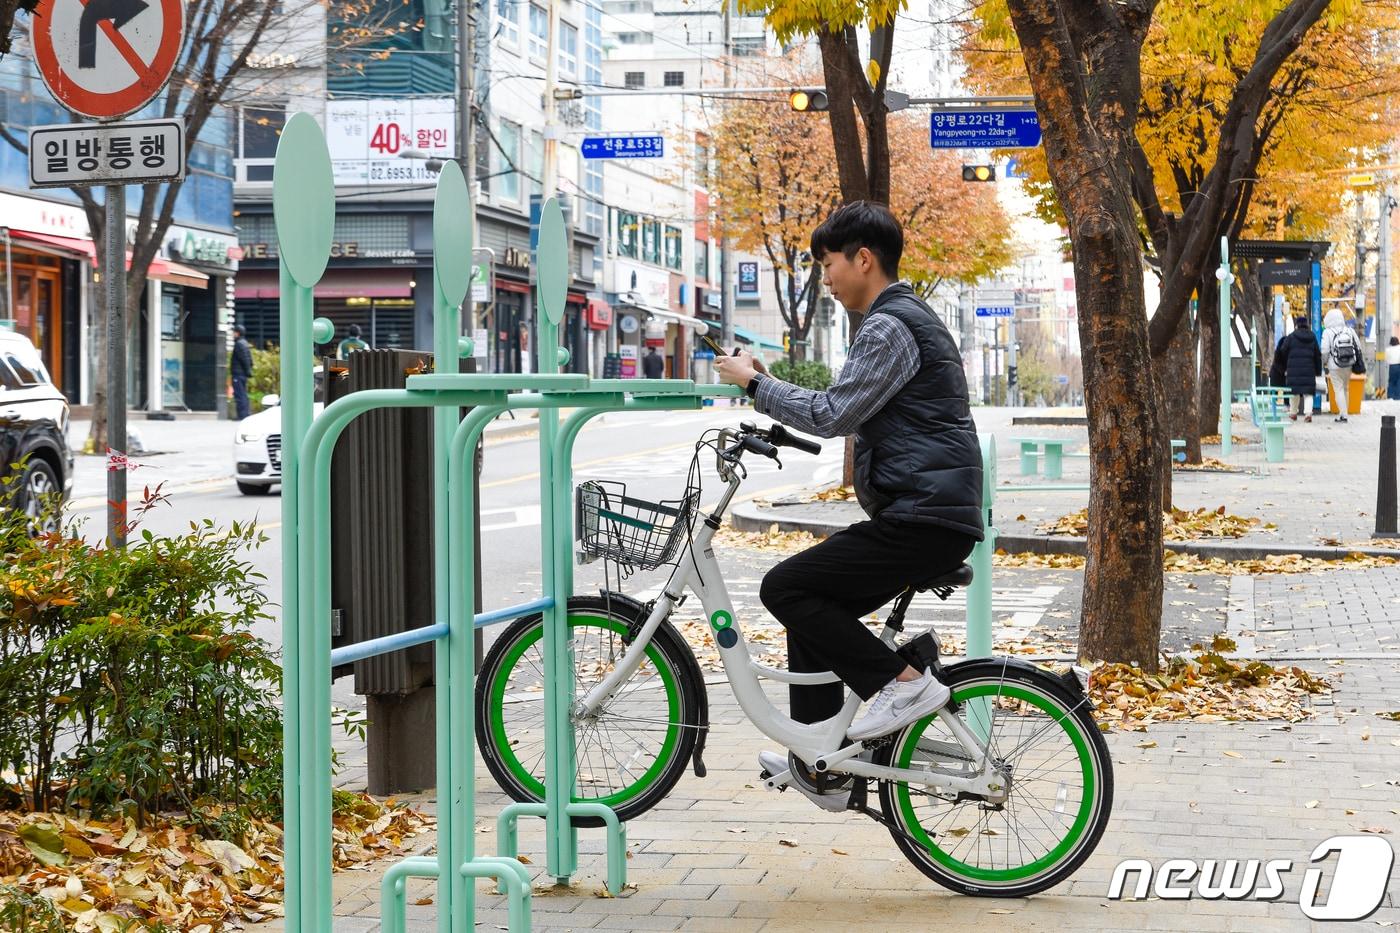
x,y
432,163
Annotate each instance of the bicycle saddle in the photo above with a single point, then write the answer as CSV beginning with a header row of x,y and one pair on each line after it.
x,y
958,576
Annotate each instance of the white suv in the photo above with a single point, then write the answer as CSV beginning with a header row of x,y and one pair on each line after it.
x,y
257,445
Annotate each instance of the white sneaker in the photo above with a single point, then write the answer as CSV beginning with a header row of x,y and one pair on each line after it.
x,y
899,704
776,763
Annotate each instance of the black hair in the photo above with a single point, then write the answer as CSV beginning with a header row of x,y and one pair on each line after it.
x,y
1395,341
1300,321
354,330
238,329
861,224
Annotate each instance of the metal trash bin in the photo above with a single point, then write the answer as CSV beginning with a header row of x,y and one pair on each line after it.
x,y
382,564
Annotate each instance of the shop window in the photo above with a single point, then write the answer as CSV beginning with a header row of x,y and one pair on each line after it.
x,y
672,246
651,242
628,233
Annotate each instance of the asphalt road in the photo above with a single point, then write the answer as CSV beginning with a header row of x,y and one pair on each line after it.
x,y
649,451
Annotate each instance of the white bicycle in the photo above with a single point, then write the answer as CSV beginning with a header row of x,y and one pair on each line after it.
x,y
1003,792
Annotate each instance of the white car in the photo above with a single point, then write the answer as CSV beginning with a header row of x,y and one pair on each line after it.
x,y
257,445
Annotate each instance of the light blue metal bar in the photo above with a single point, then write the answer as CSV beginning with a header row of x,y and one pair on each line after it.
x,y
512,612
387,643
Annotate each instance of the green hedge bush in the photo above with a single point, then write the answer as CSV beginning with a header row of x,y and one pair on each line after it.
x,y
805,373
130,680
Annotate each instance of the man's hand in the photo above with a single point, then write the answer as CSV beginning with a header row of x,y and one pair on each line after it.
x,y
736,370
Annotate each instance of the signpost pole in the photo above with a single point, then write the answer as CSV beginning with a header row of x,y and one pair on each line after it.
x,y
114,268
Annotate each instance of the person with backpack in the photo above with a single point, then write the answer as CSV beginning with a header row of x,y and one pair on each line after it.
x,y
1342,351
1297,364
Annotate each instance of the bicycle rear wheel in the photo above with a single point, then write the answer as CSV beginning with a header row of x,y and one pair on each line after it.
x,y
633,751
1060,789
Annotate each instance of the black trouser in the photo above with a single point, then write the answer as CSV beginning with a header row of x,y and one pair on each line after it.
x,y
821,596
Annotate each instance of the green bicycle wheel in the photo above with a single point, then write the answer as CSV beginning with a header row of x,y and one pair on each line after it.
x,y
1059,791
633,751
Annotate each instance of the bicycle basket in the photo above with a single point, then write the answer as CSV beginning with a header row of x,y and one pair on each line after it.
x,y
633,532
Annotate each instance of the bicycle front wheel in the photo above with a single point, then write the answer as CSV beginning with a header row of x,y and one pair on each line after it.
x,y
633,751
1059,792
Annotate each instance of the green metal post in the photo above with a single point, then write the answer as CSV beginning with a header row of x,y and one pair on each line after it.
x,y
551,284
303,204
979,594
1226,279
452,266
296,415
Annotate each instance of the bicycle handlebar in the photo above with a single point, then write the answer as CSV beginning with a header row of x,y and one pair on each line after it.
x,y
782,437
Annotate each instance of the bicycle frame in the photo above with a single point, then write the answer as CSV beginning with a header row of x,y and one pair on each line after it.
x,y
823,745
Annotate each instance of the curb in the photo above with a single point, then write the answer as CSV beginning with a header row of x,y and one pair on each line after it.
x,y
748,517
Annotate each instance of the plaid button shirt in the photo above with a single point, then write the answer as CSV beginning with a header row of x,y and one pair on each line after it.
x,y
883,358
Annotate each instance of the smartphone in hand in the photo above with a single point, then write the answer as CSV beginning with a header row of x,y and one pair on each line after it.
x,y
716,348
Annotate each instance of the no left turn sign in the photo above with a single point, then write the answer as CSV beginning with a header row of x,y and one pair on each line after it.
x,y
107,58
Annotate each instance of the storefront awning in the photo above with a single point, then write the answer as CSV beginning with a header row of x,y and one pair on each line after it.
x,y
337,283
176,273
162,269
671,317
749,336
65,243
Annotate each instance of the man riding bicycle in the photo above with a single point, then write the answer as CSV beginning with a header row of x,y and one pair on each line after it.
x,y
918,475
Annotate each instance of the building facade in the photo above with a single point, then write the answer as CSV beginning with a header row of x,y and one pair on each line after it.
x,y
48,287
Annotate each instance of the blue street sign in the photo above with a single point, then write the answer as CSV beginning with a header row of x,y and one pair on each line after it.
x,y
970,128
1062,379
624,146
996,311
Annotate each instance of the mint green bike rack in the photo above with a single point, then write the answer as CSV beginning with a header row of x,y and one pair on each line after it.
x,y
304,211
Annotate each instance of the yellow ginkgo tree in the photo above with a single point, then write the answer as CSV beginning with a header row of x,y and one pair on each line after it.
x,y
1226,148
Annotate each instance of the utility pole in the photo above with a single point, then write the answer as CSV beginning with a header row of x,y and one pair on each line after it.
x,y
466,95
1013,386
1360,293
1383,289
551,106
114,267
726,300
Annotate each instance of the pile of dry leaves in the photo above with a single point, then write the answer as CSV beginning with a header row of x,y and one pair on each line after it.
x,y
1207,465
1172,562
106,875
783,542
1234,439
1206,688
1177,525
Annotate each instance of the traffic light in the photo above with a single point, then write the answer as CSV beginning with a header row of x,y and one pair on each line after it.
x,y
808,100
979,173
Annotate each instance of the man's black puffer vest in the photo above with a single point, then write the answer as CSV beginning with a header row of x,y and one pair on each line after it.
x,y
918,459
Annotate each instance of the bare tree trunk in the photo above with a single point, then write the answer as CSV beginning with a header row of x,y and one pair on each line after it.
x,y
1176,371
1085,71
1208,316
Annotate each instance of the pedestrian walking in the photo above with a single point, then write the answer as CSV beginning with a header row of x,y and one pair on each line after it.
x,y
1342,351
1298,364
1392,362
653,366
240,370
350,344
